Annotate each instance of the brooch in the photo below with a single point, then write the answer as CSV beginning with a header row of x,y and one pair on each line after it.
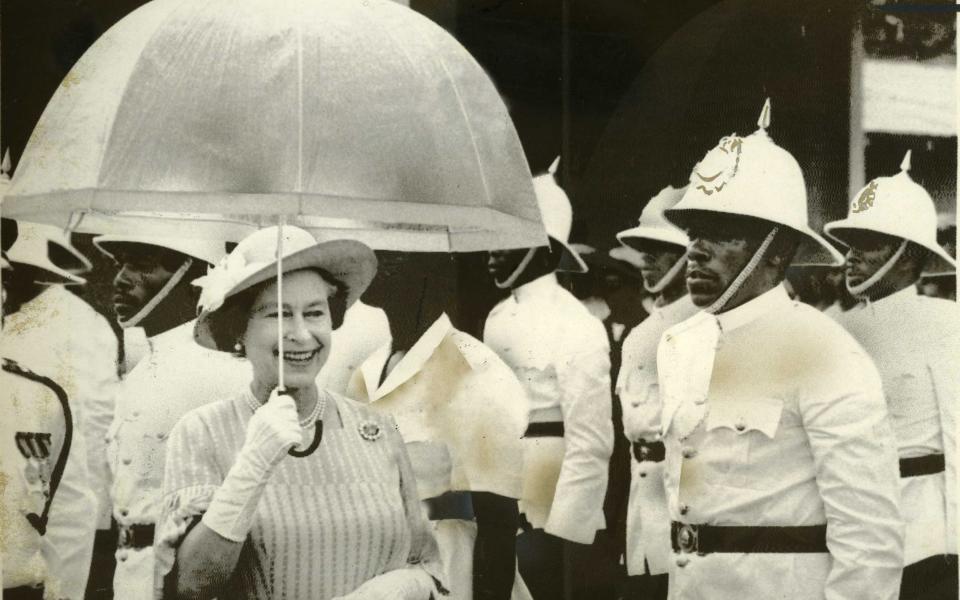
x,y
370,431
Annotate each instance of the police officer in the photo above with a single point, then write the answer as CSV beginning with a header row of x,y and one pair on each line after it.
x,y
780,469
46,502
891,233
662,248
153,290
53,326
560,354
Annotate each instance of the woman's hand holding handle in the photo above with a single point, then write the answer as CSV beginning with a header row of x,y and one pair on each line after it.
x,y
272,430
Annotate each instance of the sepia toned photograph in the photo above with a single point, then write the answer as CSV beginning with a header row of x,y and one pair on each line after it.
x,y
478,300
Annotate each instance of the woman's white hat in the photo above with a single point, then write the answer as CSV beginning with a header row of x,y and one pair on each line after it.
x,y
653,225
753,177
350,263
899,207
557,217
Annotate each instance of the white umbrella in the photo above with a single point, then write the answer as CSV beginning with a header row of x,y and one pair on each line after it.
x,y
352,119
210,118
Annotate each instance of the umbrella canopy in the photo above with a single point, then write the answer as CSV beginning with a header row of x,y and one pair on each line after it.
x,y
359,120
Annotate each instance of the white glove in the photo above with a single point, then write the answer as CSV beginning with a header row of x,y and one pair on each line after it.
x,y
271,432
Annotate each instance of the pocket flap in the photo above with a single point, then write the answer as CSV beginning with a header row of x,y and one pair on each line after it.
x,y
758,414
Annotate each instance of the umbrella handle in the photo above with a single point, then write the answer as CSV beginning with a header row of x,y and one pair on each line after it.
x,y
317,436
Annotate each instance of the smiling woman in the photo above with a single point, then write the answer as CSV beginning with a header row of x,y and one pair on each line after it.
x,y
229,477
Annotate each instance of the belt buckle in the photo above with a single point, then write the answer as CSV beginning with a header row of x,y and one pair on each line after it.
x,y
688,538
124,537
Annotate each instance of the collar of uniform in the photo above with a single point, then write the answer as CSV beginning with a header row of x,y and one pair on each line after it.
x,y
539,286
409,365
895,302
753,309
681,304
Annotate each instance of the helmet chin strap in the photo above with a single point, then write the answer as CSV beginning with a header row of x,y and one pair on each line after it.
x,y
668,277
162,293
509,281
745,272
861,288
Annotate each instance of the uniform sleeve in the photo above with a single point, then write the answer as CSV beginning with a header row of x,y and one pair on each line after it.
x,y
99,393
490,418
946,383
191,476
421,578
855,456
68,542
584,378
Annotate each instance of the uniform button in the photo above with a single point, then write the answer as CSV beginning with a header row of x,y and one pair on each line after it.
x,y
683,561
161,436
135,413
699,400
122,557
741,425
127,461
124,512
684,509
689,452
643,473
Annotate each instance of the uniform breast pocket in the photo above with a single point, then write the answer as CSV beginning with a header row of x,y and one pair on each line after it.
x,y
742,435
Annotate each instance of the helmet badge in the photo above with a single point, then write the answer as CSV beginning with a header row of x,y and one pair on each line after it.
x,y
719,166
866,198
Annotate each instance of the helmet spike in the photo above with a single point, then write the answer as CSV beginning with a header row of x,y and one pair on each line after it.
x,y
905,163
764,121
553,166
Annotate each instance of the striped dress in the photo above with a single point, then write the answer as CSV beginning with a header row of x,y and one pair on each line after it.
x,y
343,518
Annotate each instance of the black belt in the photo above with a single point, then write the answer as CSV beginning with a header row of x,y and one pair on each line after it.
x,y
24,592
134,537
451,505
648,451
922,465
549,429
707,539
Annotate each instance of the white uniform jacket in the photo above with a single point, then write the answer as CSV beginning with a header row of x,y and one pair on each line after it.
x,y
45,508
774,416
561,355
915,342
462,414
176,376
648,524
364,329
64,338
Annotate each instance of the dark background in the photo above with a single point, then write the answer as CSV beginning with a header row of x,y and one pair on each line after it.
x,y
630,93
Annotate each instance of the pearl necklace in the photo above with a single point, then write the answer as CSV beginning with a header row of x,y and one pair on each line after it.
x,y
315,415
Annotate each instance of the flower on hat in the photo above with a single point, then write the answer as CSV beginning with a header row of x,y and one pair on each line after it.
x,y
219,281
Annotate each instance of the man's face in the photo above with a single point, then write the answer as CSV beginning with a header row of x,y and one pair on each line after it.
x,y
143,270
656,259
502,263
719,248
868,252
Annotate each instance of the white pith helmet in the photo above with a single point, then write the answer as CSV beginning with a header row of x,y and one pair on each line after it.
x,y
557,214
32,248
209,251
899,207
752,177
653,225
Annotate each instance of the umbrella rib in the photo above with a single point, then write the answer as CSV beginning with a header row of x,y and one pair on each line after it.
x,y
466,121
299,106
